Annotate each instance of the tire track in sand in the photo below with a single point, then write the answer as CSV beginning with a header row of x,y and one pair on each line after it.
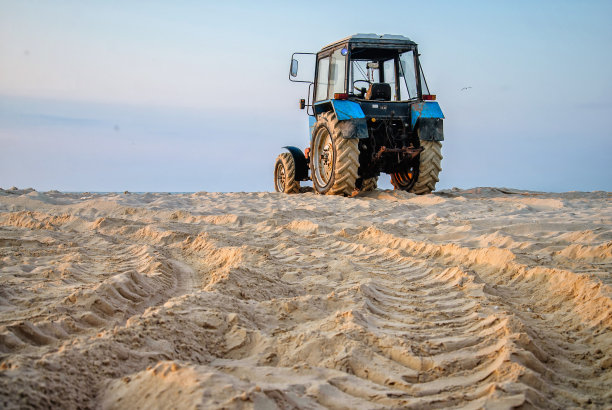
x,y
448,334
555,327
115,275
286,298
439,344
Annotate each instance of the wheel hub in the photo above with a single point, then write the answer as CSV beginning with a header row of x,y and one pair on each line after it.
x,y
324,154
280,178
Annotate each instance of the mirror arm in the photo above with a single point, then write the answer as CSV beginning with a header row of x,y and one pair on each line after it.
x,y
293,58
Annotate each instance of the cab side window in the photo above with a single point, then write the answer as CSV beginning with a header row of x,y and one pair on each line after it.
x,y
337,73
322,79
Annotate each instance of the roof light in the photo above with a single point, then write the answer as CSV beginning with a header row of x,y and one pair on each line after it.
x,y
344,51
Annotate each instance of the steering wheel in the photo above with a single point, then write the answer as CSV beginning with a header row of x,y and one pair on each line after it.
x,y
360,89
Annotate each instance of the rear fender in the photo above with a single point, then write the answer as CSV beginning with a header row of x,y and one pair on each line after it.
x,y
426,118
430,129
351,119
301,165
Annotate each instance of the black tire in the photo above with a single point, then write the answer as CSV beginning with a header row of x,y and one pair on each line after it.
x,y
284,174
421,180
430,161
334,159
369,184
405,179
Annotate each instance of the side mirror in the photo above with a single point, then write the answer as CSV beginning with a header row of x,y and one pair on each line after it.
x,y
294,68
302,104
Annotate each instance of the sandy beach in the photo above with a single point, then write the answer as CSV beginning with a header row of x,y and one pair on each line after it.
x,y
480,298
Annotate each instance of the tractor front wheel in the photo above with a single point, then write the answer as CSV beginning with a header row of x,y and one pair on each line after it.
x,y
334,159
284,174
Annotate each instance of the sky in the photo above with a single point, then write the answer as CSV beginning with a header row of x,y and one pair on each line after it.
x,y
187,96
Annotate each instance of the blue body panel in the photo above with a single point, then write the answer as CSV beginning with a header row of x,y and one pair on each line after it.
x,y
311,122
425,109
347,110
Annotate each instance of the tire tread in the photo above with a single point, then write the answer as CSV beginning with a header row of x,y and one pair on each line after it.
x,y
291,185
429,167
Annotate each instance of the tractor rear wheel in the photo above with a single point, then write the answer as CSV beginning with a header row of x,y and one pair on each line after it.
x,y
334,159
284,174
369,184
422,180
429,167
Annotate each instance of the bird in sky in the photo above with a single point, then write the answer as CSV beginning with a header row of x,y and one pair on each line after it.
x,y
465,88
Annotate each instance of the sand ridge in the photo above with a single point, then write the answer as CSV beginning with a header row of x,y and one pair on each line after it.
x,y
474,298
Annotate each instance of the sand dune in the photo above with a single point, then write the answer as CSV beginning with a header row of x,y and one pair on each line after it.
x,y
476,298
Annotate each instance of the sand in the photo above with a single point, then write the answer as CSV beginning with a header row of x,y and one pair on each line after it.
x,y
481,298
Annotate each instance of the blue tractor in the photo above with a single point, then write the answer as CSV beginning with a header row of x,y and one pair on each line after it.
x,y
370,111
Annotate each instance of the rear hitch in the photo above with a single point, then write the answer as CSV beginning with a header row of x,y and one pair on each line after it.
x,y
411,151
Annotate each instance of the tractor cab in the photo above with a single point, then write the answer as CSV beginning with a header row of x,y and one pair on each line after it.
x,y
369,67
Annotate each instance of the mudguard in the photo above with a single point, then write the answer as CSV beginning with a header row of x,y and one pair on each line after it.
x,y
354,128
351,119
425,109
430,129
347,110
301,166
427,117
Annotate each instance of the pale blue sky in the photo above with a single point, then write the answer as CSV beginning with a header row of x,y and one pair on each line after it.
x,y
192,95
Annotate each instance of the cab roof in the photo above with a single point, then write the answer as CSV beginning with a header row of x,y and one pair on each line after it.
x,y
373,40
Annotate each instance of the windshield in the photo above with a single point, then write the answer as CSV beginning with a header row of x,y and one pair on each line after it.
x,y
397,71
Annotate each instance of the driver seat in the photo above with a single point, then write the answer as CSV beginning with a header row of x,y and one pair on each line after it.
x,y
379,91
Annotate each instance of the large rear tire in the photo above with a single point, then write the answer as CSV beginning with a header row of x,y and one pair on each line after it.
x,y
284,174
430,161
421,180
369,184
334,159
